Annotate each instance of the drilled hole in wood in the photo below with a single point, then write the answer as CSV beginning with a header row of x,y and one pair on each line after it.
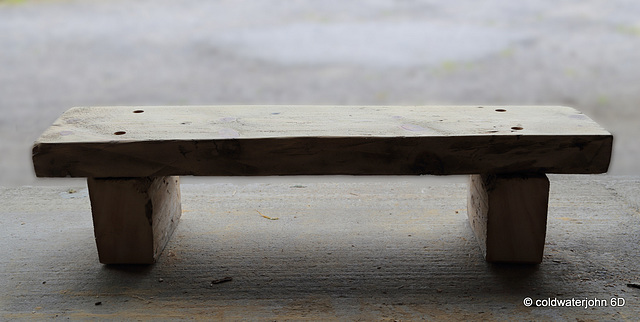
x,y
138,111
517,128
501,110
119,133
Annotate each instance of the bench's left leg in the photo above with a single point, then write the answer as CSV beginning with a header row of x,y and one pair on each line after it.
x,y
133,218
508,215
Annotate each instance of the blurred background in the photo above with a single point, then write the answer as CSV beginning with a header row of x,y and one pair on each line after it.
x,y
63,53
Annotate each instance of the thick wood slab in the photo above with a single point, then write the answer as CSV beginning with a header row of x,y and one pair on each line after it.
x,y
508,215
134,218
316,140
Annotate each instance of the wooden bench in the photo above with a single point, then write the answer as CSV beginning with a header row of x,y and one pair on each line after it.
x,y
132,157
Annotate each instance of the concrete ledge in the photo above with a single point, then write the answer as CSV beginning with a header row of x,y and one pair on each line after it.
x,y
376,248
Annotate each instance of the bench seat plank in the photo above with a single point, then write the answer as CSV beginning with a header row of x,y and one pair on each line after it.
x,y
320,140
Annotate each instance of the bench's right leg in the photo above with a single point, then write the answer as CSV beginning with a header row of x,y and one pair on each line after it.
x,y
133,218
508,215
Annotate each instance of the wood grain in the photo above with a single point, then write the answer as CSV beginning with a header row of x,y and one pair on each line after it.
x,y
320,140
134,218
508,215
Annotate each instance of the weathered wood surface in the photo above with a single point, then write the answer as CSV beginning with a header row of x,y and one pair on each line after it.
x,y
134,218
310,140
508,215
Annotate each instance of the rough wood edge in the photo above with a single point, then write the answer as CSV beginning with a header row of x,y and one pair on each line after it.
x,y
326,156
134,218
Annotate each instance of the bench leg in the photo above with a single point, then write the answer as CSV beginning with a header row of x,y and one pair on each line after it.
x,y
508,215
133,218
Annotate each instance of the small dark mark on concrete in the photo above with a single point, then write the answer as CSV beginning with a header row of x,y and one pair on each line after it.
x,y
634,285
98,303
160,280
222,280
